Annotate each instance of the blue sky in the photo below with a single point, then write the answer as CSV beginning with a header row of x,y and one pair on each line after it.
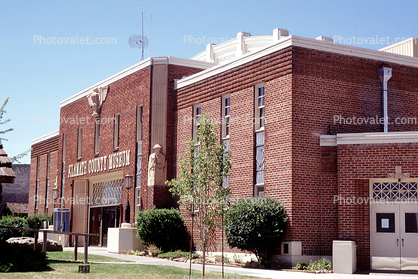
x,y
37,76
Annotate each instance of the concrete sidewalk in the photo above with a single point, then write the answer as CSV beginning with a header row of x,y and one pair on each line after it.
x,y
262,273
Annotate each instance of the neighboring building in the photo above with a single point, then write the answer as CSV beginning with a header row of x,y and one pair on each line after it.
x,y
16,194
7,174
303,118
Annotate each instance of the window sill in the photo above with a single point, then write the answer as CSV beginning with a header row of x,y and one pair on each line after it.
x,y
78,159
116,149
96,155
259,130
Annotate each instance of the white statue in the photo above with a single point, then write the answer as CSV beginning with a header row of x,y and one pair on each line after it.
x,y
96,99
156,167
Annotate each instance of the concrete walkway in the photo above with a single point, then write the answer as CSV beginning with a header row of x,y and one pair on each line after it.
x,y
262,273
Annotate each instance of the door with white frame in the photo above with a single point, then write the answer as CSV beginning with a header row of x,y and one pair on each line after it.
x,y
394,224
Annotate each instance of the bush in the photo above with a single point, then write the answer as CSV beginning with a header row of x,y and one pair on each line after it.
x,y
177,254
21,258
256,225
300,266
35,221
163,228
321,264
14,222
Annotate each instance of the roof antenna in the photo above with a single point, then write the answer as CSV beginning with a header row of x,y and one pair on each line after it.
x,y
150,17
139,41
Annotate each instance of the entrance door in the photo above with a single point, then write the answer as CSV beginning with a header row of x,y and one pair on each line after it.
x,y
409,236
394,237
101,219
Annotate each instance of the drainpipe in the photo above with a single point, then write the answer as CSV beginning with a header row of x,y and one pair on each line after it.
x,y
385,74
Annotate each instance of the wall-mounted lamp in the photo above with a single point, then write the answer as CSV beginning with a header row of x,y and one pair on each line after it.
x,y
128,185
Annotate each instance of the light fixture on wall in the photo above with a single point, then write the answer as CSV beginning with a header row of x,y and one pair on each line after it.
x,y
128,185
55,191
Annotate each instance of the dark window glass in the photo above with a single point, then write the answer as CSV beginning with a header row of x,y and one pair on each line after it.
x,y
286,248
385,222
411,222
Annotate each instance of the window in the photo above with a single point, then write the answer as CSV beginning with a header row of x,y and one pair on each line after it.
x,y
139,121
197,113
48,168
116,132
64,146
38,168
79,140
259,141
226,115
138,177
64,150
97,136
259,107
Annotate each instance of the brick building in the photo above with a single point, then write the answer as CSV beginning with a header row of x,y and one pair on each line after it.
x,y
15,195
304,118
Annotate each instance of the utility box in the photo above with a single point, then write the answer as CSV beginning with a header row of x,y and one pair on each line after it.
x,y
61,219
344,259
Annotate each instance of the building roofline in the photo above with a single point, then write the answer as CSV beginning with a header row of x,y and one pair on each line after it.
x,y
45,137
369,138
300,42
139,66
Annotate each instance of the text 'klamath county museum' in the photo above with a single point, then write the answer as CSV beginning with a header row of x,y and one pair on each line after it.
x,y
331,130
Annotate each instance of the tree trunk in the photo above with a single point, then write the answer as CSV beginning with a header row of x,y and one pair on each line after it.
x,y
204,260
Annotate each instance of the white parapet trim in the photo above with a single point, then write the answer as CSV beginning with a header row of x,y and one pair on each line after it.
x,y
369,138
292,40
137,67
45,137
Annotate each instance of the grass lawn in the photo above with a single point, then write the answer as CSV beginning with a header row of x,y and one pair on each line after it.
x,y
68,256
117,271
120,270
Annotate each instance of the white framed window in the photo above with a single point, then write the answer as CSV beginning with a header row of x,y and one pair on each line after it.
x,y
139,122
97,136
116,131
64,146
79,142
64,151
259,107
38,170
197,114
48,170
137,199
226,116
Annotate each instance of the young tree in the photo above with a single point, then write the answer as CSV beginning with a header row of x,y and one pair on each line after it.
x,y
202,169
14,159
2,112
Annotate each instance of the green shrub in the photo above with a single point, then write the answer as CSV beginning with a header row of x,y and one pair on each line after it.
x,y
256,225
300,266
163,228
177,254
321,264
155,252
35,221
14,222
21,258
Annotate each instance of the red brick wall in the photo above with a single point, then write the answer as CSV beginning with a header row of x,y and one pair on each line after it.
x,y
356,165
124,95
42,149
305,89
325,85
273,71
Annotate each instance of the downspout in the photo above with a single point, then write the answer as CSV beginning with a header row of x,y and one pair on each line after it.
x,y
385,74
